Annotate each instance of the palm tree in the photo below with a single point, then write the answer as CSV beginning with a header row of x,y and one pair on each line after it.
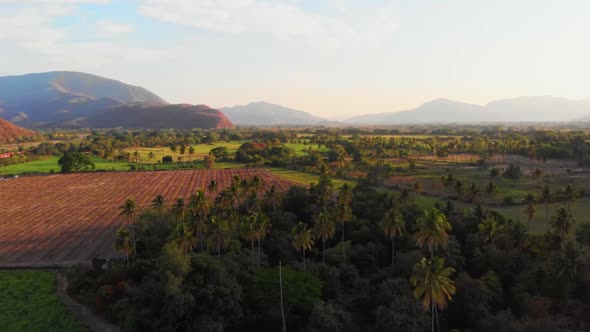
x,y
212,187
261,229
459,189
185,238
342,214
303,239
247,231
324,229
393,225
473,193
158,202
219,234
257,183
128,210
151,155
432,230
200,206
123,243
180,208
546,196
490,227
433,285
530,209
272,197
569,194
562,223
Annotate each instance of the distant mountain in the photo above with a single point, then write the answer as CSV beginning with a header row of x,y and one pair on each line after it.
x,y
10,133
266,114
59,96
522,109
154,116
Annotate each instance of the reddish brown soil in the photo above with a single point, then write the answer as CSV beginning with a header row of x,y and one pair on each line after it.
x,y
72,217
9,133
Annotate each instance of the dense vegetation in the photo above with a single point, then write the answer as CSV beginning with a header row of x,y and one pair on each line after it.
x,y
350,260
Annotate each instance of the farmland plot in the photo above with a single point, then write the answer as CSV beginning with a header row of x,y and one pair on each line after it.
x,y
63,218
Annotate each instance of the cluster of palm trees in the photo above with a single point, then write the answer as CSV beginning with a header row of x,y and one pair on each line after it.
x,y
431,279
209,224
324,223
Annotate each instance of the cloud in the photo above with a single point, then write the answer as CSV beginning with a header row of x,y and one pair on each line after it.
x,y
279,19
56,2
109,28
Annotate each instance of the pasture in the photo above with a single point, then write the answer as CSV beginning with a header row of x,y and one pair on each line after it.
x,y
29,303
49,165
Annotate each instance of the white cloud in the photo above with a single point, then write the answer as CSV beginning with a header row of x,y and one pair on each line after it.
x,y
279,19
109,28
56,2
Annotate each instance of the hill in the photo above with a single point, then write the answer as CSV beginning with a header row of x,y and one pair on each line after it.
x,y
154,116
263,114
53,97
10,133
522,109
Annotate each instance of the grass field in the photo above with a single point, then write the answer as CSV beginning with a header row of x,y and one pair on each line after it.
x,y
539,224
50,164
28,303
304,178
200,151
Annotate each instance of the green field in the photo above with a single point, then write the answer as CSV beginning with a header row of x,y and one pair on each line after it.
x,y
50,164
539,224
304,178
200,151
28,303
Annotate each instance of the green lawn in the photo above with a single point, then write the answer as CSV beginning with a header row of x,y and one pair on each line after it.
x,y
28,303
50,164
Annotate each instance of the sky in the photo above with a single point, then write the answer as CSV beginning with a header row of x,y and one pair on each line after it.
x,y
333,58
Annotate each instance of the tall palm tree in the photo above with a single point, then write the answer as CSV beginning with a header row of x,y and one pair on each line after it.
x,y
324,228
562,223
342,214
247,231
123,243
546,197
257,183
272,198
180,208
219,234
569,195
200,206
185,238
261,229
432,230
433,285
303,239
158,202
530,208
473,193
128,211
393,225
490,226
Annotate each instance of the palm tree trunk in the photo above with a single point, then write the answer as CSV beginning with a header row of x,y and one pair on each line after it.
x,y
323,250
303,250
258,261
392,251
281,290
432,315
436,315
343,246
133,235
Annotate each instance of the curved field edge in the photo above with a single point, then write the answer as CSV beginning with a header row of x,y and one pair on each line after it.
x,y
29,303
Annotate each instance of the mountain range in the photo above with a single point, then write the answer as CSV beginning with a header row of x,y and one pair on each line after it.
x,y
74,99
267,114
521,109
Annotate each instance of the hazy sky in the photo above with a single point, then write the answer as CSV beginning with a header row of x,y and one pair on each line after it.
x,y
334,58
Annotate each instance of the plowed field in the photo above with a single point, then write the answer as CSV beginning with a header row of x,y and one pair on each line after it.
x,y
63,218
